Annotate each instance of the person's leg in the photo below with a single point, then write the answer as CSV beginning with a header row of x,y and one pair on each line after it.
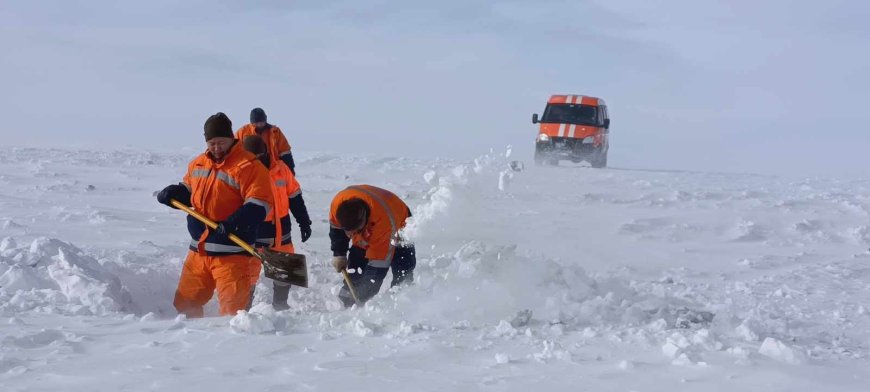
x,y
195,286
369,282
404,262
232,275
356,261
365,279
281,290
280,293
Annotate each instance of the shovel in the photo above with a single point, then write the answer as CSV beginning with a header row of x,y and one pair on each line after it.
x,y
350,287
283,267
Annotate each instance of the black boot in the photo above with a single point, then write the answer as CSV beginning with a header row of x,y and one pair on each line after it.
x,y
280,292
403,265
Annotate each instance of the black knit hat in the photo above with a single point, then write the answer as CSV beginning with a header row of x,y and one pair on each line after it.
x,y
218,125
258,115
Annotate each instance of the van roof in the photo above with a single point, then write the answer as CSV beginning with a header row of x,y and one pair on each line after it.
x,y
574,99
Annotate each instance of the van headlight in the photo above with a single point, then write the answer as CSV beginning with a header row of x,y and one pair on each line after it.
x,y
543,138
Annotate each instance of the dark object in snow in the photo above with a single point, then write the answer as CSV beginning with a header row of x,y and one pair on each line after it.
x,y
687,318
517,166
522,318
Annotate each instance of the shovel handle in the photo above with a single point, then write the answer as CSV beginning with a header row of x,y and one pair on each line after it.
x,y
213,225
350,286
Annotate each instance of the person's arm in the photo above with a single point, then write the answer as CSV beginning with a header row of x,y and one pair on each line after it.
x,y
284,150
299,211
178,192
340,242
287,158
256,191
244,220
297,203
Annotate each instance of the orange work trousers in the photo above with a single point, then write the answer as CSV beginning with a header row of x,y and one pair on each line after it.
x,y
232,276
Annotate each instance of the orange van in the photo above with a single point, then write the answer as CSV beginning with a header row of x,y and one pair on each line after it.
x,y
575,128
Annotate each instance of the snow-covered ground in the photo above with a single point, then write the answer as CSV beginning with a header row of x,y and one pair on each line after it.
x,y
566,278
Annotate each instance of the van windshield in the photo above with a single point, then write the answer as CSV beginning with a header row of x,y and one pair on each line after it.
x,y
571,114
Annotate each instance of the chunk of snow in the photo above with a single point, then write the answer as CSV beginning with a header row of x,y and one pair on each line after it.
x,y
779,351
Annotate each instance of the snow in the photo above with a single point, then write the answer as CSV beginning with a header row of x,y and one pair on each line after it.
x,y
559,278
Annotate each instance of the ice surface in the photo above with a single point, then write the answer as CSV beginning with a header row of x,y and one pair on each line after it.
x,y
547,278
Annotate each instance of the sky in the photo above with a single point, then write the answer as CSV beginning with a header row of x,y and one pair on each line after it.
x,y
735,86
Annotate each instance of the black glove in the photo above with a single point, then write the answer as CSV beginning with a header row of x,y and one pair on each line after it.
x,y
175,191
242,222
305,232
226,228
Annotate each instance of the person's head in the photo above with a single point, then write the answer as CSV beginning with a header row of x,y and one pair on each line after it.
x,y
218,135
352,216
255,145
258,117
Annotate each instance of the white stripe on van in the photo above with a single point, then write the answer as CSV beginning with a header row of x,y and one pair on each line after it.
x,y
571,130
561,130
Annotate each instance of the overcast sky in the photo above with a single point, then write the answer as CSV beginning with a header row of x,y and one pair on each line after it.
x,y
772,87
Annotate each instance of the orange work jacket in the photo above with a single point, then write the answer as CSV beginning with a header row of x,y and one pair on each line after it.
x,y
217,190
387,216
275,140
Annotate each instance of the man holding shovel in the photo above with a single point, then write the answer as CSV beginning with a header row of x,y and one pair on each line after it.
x,y
228,185
372,217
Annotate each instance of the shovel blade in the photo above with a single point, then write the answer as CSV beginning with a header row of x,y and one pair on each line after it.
x,y
285,267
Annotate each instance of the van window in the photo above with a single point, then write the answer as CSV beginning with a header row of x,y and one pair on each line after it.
x,y
571,114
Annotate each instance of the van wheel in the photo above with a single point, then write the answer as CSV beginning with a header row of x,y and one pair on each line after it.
x,y
539,158
600,161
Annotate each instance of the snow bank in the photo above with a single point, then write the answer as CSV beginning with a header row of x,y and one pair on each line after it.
x,y
53,276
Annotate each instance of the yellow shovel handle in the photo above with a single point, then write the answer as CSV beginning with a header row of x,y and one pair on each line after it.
x,y
350,286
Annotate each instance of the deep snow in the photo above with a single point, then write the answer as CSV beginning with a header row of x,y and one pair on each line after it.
x,y
566,278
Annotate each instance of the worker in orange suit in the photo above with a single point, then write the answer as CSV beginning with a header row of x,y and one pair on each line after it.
x,y
274,232
372,218
275,140
228,185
